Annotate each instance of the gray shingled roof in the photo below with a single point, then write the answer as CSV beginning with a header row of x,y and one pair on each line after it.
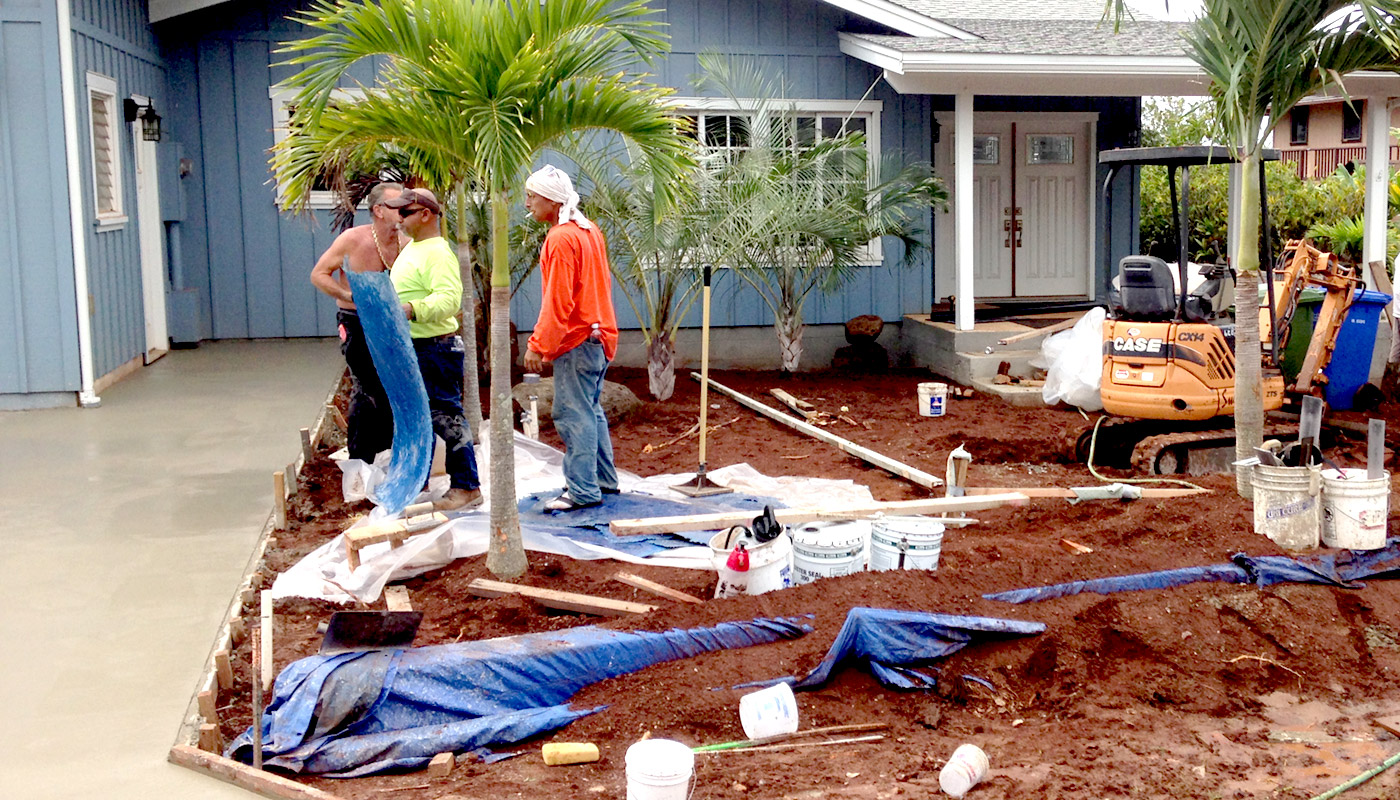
x,y
946,10
1039,37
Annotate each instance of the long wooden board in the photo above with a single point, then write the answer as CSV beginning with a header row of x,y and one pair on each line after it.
x,y
567,601
225,769
863,453
792,516
1056,491
662,589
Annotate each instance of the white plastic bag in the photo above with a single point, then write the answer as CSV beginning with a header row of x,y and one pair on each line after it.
x,y
1073,362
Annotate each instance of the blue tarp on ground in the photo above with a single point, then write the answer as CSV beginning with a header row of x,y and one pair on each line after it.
x,y
591,524
386,333
355,714
1337,569
890,642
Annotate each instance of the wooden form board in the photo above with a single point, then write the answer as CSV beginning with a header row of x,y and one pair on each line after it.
x,y
394,531
226,769
567,601
863,453
793,516
1056,491
655,588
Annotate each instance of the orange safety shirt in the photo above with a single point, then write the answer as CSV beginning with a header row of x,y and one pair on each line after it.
x,y
577,289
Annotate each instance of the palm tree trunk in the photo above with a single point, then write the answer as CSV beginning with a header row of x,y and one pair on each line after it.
x,y
506,556
471,385
1249,394
661,366
790,328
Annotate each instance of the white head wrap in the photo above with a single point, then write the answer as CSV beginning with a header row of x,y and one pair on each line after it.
x,y
554,183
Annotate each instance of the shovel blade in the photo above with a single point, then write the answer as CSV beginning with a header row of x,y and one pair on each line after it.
x,y
370,630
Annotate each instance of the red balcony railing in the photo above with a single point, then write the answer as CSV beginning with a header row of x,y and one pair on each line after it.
x,y
1323,161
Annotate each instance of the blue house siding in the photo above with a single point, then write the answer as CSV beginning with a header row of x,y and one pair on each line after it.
x,y
39,361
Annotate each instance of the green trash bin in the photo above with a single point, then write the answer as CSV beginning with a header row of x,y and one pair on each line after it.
x,y
1304,320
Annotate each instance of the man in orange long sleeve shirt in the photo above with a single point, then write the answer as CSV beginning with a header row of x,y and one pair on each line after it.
x,y
577,331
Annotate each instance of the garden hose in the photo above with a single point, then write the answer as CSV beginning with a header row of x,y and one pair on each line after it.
x,y
1359,779
1094,440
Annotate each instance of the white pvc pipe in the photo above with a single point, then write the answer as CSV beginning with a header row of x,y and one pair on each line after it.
x,y
87,396
1377,181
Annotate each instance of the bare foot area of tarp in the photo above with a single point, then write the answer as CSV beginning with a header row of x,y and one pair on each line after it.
x,y
1205,690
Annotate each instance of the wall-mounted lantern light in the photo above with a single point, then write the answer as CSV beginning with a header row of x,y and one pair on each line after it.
x,y
150,120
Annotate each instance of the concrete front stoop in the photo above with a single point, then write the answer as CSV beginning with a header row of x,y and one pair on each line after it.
x,y
962,356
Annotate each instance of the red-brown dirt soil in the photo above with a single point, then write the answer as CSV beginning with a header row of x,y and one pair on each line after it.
x,y
1203,691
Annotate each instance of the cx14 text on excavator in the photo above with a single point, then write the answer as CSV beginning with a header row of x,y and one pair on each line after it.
x,y
1168,381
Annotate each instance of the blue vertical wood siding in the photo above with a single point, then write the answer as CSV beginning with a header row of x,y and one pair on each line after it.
x,y
38,305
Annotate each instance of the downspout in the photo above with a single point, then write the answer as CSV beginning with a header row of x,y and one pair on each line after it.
x,y
87,397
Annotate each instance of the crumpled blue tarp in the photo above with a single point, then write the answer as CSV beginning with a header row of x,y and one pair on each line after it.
x,y
1337,569
391,348
591,524
892,641
354,714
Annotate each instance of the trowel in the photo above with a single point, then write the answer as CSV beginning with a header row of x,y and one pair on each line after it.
x,y
350,631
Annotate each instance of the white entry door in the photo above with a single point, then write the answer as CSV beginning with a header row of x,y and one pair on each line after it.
x,y
1032,218
151,232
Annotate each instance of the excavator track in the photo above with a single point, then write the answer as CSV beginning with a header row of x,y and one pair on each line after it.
x,y
1157,447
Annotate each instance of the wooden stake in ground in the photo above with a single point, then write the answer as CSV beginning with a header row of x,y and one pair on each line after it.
x,y
279,500
864,453
257,699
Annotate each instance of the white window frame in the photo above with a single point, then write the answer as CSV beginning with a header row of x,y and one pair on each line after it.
x,y
103,88
281,118
869,110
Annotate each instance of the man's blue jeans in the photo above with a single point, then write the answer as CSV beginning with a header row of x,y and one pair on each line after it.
x,y
579,418
440,361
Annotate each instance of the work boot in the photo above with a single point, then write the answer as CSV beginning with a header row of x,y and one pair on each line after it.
x,y
458,500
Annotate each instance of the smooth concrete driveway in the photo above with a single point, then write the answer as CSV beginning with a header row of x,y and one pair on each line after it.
x,y
124,531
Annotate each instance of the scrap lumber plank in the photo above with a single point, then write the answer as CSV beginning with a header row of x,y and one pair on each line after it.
x,y
1391,724
308,451
1056,491
655,588
396,598
336,417
1057,327
808,411
279,500
864,453
792,516
223,669
1075,547
266,784
394,531
441,765
209,738
567,601
209,706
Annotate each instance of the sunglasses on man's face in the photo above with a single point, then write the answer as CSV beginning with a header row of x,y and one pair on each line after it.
x,y
405,213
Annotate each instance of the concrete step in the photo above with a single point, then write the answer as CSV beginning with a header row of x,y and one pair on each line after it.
x,y
979,365
1015,394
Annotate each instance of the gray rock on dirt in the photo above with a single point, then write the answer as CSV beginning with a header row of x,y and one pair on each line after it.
x,y
618,400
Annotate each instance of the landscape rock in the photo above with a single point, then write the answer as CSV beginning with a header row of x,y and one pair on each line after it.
x,y
618,401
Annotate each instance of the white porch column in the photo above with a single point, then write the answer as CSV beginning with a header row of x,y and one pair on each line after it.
x,y
963,212
1377,180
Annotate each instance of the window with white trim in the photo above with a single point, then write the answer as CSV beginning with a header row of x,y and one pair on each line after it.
x,y
322,196
104,129
722,126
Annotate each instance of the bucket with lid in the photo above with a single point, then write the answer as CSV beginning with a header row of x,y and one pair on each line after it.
x,y
659,769
828,549
1354,509
933,399
768,712
905,543
769,563
1287,505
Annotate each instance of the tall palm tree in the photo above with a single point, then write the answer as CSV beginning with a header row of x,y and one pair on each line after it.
x,y
472,91
1262,57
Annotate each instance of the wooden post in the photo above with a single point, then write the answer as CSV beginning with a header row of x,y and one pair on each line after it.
x,y
279,500
209,706
209,738
257,699
223,669
307,451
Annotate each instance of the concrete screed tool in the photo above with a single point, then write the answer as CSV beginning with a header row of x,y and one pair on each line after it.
x,y
701,485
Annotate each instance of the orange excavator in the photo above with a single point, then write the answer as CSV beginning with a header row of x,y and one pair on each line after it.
x,y
1168,380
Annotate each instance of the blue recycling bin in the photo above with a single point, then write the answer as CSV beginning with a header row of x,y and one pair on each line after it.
x,y
1351,360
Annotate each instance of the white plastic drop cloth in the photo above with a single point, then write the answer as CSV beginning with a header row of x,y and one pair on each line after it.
x,y
1073,363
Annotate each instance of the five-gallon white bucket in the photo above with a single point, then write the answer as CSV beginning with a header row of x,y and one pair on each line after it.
x,y
828,549
933,399
770,564
1287,505
905,543
768,712
659,769
1354,509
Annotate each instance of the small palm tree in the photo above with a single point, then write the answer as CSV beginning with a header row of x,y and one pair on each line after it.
x,y
471,91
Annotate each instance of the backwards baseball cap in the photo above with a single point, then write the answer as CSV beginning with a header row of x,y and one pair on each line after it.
x,y
411,196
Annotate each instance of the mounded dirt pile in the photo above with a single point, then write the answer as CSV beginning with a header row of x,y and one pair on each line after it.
x,y
1207,690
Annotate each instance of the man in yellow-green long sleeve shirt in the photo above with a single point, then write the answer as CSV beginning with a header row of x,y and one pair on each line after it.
x,y
428,281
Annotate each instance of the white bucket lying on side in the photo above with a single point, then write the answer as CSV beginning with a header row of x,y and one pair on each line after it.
x,y
659,769
768,712
828,549
933,399
905,543
1287,505
1354,509
770,564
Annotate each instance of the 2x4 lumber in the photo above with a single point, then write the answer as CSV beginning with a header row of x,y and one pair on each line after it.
x,y
1056,491
279,500
864,453
394,531
307,449
793,516
441,765
209,737
396,598
209,706
662,589
223,669
566,601
266,784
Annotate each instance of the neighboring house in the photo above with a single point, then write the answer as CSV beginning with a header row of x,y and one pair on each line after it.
x,y
126,245
1323,133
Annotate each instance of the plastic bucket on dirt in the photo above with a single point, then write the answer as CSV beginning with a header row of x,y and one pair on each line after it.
x,y
770,564
768,712
828,549
1287,505
905,543
964,769
1354,509
659,769
933,399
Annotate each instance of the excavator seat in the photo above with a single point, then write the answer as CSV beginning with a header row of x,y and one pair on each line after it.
x,y
1210,300
1145,290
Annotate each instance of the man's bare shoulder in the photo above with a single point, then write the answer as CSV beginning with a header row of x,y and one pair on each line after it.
x,y
358,243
